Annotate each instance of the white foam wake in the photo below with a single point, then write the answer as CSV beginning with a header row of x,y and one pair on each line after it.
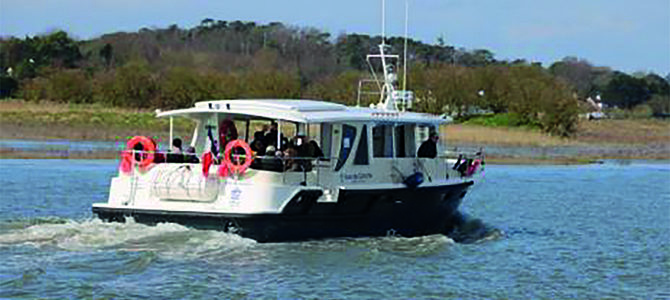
x,y
93,234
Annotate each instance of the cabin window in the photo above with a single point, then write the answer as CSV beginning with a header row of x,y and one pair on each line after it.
x,y
242,129
326,134
314,132
442,132
410,145
348,137
382,141
361,157
400,141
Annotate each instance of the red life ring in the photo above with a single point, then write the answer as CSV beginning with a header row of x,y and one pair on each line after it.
x,y
248,158
148,148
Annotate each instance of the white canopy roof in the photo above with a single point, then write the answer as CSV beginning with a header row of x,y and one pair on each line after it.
x,y
303,111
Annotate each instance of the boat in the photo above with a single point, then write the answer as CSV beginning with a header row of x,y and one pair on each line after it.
x,y
322,170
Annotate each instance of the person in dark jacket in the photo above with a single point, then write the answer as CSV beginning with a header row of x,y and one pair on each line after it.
x,y
429,147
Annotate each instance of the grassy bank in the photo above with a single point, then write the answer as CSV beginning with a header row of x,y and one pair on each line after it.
x,y
601,132
619,139
47,120
595,140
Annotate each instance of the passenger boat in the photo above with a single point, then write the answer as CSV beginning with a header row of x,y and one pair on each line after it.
x,y
323,169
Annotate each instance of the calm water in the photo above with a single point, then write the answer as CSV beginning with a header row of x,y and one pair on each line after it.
x,y
594,231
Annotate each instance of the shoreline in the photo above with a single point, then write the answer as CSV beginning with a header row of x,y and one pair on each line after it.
x,y
595,140
502,155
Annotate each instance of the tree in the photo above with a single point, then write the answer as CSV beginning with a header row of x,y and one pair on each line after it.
x,y
577,73
626,91
56,49
497,86
8,86
341,88
657,84
106,54
134,85
69,86
660,105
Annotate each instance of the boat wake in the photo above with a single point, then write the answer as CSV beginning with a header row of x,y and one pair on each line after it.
x,y
404,246
94,234
173,240
469,230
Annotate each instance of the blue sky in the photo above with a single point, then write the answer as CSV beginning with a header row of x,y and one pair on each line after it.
x,y
623,34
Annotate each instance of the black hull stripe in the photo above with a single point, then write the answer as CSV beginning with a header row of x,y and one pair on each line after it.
x,y
404,212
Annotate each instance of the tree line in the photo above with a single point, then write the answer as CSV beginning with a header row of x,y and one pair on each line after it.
x,y
174,67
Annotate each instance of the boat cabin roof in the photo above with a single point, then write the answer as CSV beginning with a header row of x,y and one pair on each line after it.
x,y
302,111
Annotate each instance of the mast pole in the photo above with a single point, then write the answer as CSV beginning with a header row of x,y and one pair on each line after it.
x,y
383,20
404,59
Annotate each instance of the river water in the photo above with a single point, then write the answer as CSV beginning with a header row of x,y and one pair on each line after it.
x,y
583,232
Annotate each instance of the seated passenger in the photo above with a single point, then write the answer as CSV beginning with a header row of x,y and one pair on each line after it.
x,y
175,155
176,146
269,162
305,150
290,163
299,143
314,149
190,156
270,138
260,135
258,147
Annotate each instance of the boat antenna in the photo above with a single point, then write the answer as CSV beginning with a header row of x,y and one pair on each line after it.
x,y
404,59
383,20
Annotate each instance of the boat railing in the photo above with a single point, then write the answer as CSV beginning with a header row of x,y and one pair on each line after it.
x,y
287,163
162,156
464,151
310,167
292,165
464,160
361,91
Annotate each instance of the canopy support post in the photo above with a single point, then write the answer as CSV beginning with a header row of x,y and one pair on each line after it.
x,y
171,128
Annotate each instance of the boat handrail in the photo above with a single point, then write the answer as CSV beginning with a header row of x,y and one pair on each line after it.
x,y
465,152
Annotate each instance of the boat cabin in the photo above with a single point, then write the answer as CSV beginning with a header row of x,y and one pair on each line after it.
x,y
361,145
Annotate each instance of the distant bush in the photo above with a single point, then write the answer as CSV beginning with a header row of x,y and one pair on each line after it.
x,y
493,120
270,84
221,85
641,111
103,89
521,95
34,89
341,88
70,86
180,87
660,105
560,118
444,88
8,86
135,85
